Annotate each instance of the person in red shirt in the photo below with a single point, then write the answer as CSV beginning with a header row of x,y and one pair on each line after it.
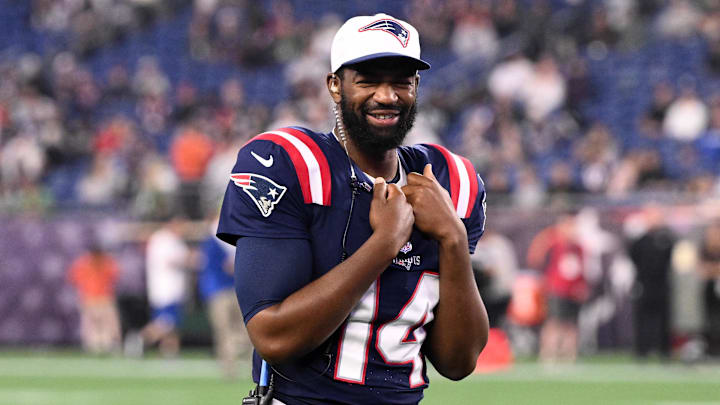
x,y
190,153
558,253
94,275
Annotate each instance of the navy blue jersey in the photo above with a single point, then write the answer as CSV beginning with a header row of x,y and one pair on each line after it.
x,y
295,184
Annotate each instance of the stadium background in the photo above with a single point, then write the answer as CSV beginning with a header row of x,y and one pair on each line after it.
x,y
116,113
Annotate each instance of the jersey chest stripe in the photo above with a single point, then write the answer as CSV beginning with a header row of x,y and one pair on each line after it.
x,y
453,174
301,168
463,182
474,185
323,164
464,191
310,164
313,168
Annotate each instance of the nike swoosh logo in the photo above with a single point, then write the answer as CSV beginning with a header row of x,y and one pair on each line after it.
x,y
265,162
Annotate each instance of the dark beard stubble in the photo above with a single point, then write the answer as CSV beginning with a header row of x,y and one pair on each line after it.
x,y
366,138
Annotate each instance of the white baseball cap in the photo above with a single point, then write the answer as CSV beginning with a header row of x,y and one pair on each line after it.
x,y
379,36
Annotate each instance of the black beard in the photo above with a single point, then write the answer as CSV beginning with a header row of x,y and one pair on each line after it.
x,y
366,138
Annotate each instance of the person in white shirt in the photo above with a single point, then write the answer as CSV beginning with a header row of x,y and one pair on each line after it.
x,y
167,260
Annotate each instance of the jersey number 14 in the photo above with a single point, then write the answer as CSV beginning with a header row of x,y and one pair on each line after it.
x,y
398,341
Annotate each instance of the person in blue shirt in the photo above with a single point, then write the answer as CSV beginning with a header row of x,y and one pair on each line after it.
x,y
216,288
352,264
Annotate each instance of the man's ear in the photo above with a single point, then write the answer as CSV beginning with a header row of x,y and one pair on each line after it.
x,y
333,84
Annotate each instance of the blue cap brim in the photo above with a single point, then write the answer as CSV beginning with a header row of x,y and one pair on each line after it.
x,y
419,63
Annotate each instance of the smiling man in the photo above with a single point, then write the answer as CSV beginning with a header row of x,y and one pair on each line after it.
x,y
353,252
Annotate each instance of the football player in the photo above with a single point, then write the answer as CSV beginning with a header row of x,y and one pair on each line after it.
x,y
353,251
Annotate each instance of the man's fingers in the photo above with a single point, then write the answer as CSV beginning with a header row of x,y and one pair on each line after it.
x,y
380,189
393,190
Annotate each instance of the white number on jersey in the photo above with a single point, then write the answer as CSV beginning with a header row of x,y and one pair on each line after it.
x,y
394,342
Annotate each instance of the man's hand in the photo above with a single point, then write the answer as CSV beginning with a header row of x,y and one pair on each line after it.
x,y
391,217
432,207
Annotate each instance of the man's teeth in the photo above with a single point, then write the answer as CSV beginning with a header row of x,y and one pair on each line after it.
x,y
383,116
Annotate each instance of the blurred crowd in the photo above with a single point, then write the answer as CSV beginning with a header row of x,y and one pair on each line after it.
x,y
558,103
513,90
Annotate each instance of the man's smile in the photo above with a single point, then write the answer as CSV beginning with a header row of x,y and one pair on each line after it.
x,y
383,117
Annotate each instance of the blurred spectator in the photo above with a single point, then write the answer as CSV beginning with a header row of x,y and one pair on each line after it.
x,y
474,35
708,145
710,271
663,96
686,117
118,86
216,286
506,17
94,275
167,262
580,89
23,161
651,253
149,79
597,153
640,169
599,31
191,151
474,145
229,33
495,266
60,101
561,180
103,184
186,102
529,192
544,91
558,253
157,188
651,173
215,180
713,58
507,79
498,184
679,19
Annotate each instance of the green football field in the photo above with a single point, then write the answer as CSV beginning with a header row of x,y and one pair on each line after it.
x,y
70,378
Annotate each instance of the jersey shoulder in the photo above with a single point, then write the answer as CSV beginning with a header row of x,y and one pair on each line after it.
x,y
277,176
294,154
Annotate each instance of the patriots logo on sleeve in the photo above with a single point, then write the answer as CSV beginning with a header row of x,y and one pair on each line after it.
x,y
263,191
391,27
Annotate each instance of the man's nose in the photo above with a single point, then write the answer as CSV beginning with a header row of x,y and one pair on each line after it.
x,y
385,94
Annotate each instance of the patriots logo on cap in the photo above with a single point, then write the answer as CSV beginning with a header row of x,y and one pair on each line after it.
x,y
406,248
391,27
263,191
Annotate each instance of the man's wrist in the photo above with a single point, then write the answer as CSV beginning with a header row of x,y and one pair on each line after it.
x,y
454,236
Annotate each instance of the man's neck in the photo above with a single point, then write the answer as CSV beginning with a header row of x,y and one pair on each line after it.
x,y
384,164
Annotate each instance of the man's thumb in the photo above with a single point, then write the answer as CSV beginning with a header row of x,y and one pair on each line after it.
x,y
427,172
380,188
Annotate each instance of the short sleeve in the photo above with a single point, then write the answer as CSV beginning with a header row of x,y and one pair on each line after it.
x,y
475,223
263,196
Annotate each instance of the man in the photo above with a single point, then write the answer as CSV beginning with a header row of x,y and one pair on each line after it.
x,y
166,267
94,275
558,253
215,285
710,273
651,254
353,260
